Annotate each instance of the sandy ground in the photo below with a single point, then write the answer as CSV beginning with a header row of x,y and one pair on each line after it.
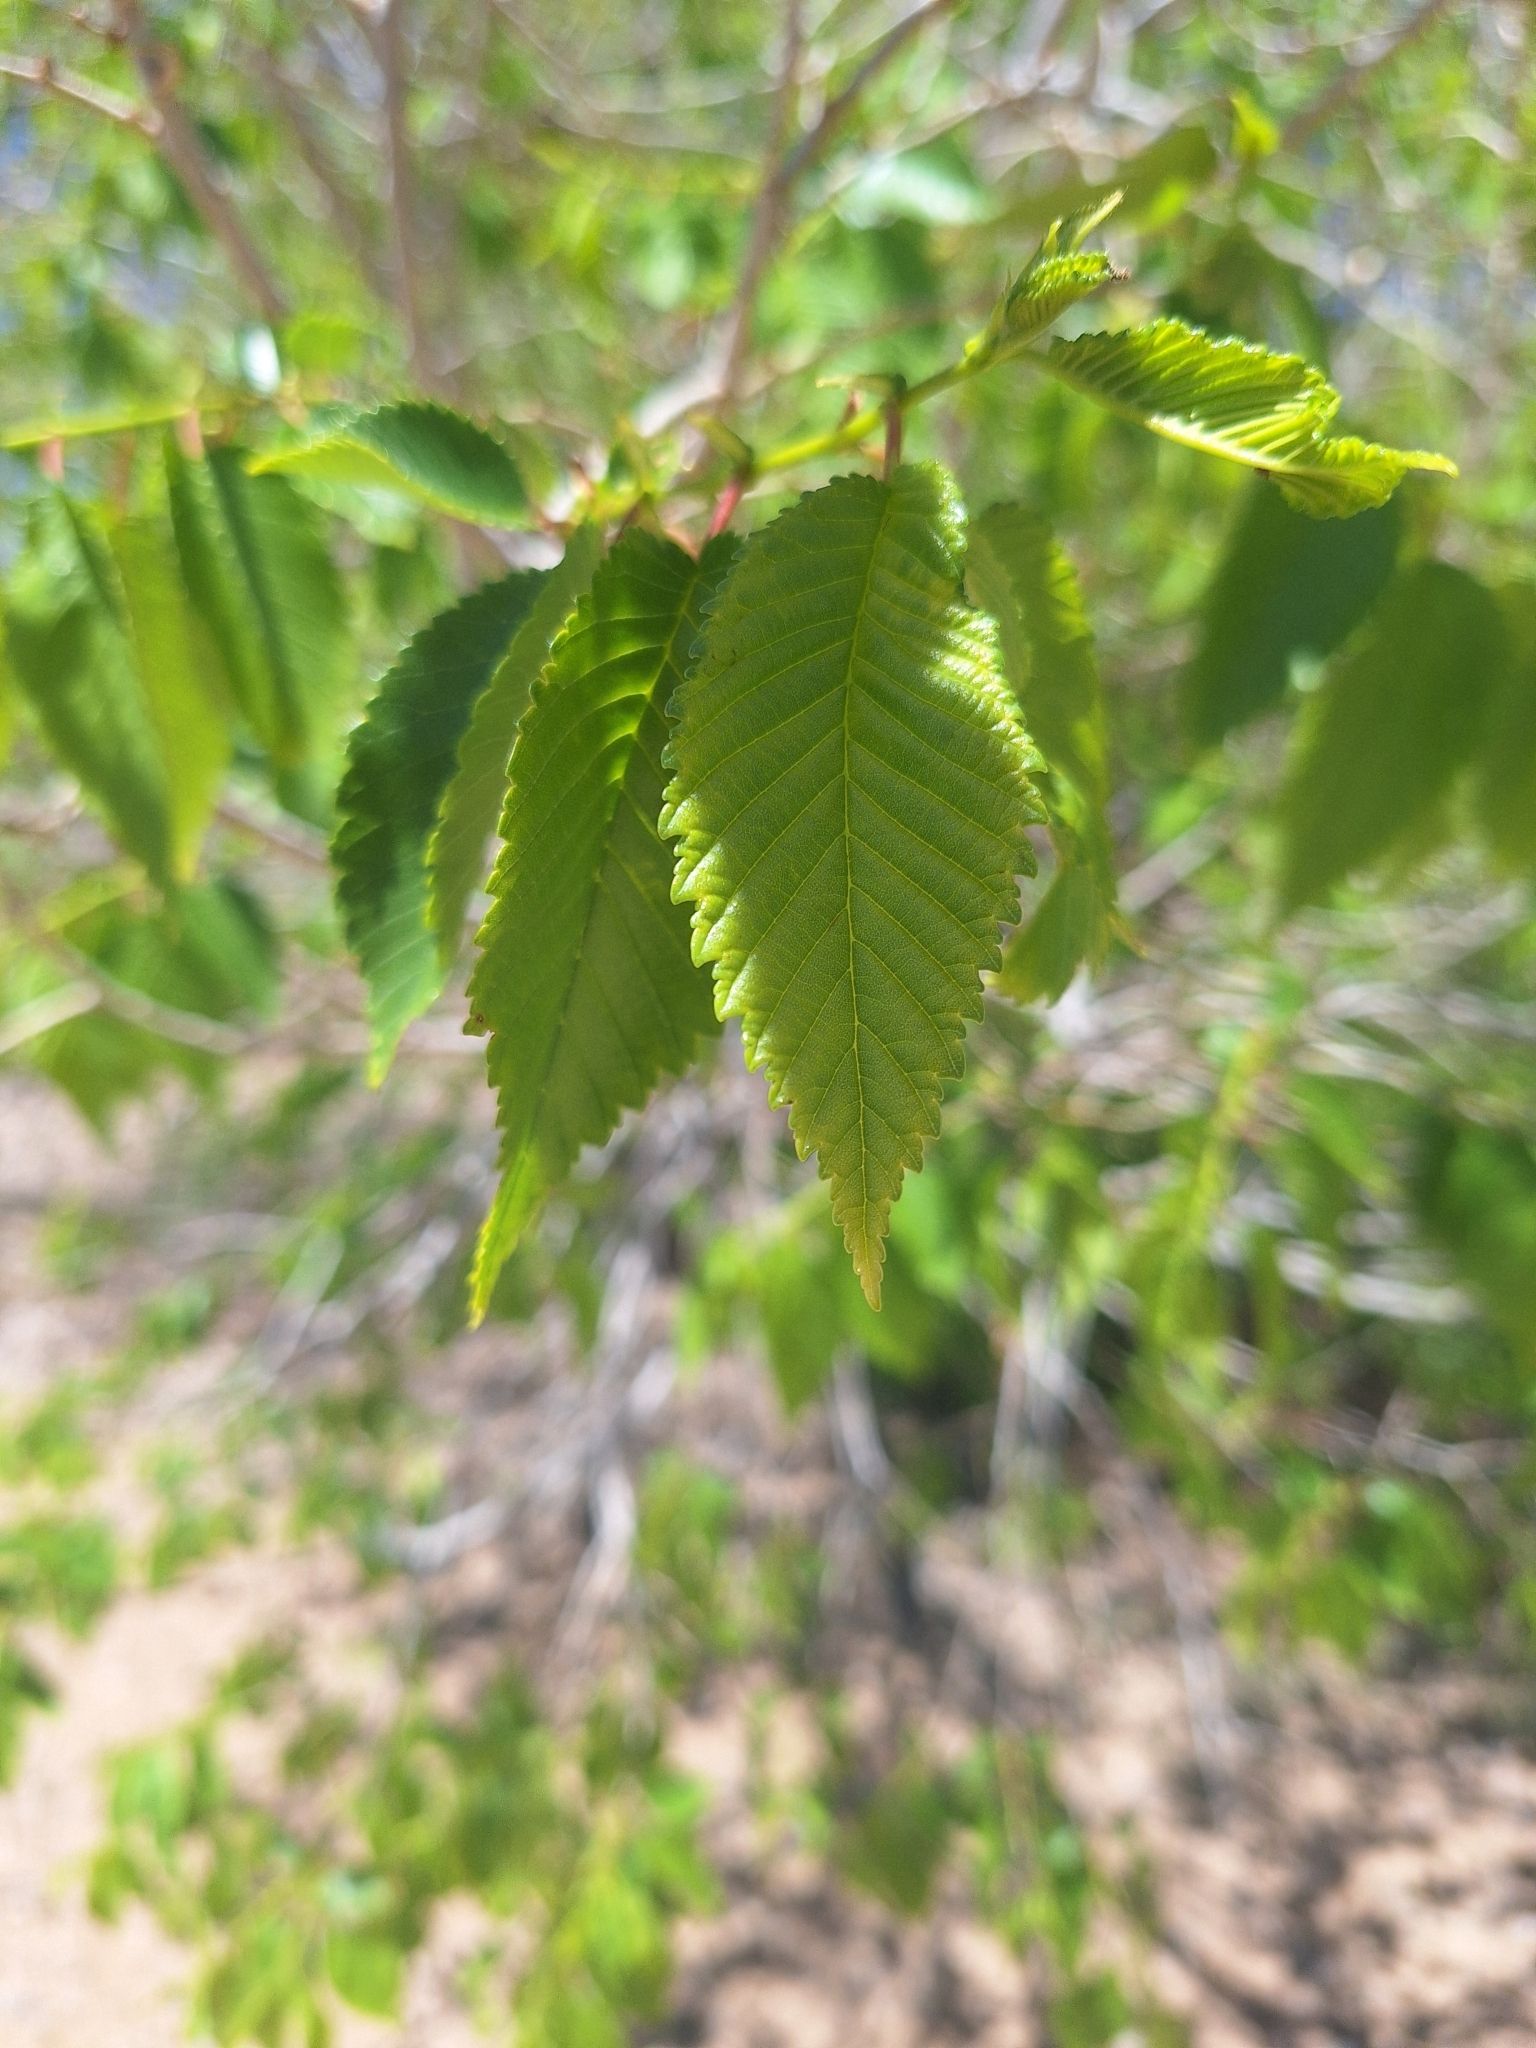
x,y
1364,1876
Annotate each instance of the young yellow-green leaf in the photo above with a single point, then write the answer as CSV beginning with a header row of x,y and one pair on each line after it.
x,y
471,801
1234,399
1285,586
584,979
1017,572
1506,769
68,650
1056,277
1382,739
425,451
850,797
399,757
189,716
270,604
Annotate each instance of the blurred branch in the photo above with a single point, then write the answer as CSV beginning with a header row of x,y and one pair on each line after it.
x,y
385,24
182,147
46,76
768,218
787,164
1357,72
346,214
46,1013
278,830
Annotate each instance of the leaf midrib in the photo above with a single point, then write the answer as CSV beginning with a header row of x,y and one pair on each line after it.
x,y
854,640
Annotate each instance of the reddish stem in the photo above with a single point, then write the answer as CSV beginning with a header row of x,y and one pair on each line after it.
x,y
725,505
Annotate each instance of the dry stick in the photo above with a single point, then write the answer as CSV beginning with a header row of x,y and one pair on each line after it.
x,y
1303,126
180,144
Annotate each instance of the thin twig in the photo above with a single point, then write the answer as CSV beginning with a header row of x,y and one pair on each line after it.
x,y
43,73
768,218
787,164
813,145
1303,126
386,27
182,147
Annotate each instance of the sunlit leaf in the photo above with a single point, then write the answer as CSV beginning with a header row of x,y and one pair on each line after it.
x,y
1234,399
850,797
472,798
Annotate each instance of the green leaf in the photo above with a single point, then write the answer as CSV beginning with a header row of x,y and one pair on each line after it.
x,y
1381,741
1071,925
366,1969
1234,399
399,757
1016,571
585,980
851,792
1285,586
471,802
1506,772
267,594
188,717
67,649
1056,277
426,451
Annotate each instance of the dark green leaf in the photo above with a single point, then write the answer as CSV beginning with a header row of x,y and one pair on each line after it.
x,y
263,584
189,716
1286,586
1016,571
1070,926
1506,771
1380,742
399,759
66,646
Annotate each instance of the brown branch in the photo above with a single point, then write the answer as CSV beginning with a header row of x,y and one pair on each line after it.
x,y
182,147
1303,126
43,73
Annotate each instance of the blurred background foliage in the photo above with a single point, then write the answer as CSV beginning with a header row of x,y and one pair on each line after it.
x,y
1254,1200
